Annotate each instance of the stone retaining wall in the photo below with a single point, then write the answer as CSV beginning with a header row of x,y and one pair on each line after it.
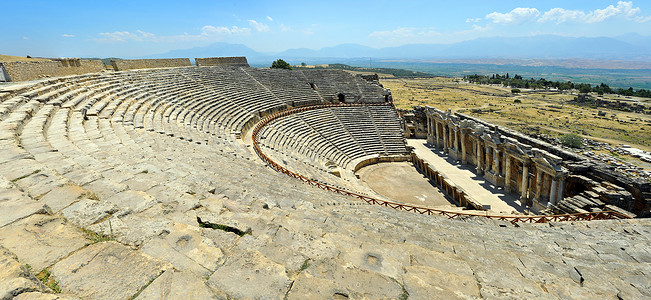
x,y
236,61
31,70
130,64
456,193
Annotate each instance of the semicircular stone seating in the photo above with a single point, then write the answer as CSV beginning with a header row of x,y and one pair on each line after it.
x,y
135,185
326,144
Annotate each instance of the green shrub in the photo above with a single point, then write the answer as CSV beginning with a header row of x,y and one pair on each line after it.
x,y
280,64
572,140
517,101
515,91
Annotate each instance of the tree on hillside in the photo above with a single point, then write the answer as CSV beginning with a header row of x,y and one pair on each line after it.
x,y
572,140
280,64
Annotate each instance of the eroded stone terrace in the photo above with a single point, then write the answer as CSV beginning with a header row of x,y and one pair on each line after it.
x,y
104,177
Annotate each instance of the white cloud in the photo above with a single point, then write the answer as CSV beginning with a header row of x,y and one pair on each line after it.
x,y
516,16
123,36
222,30
25,38
475,20
623,9
259,26
65,35
561,15
285,28
207,33
269,18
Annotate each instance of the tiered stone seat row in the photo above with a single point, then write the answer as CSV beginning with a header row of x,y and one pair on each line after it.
x,y
291,87
319,143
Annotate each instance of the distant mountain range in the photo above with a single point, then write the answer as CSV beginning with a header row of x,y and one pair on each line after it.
x,y
629,47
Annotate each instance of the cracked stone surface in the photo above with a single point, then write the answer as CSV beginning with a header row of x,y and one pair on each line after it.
x,y
87,271
42,240
251,275
15,279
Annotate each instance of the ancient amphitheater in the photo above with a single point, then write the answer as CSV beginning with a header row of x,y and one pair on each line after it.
x,y
230,182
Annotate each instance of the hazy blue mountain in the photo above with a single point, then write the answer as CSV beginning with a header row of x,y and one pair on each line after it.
x,y
544,46
636,39
625,47
213,50
339,51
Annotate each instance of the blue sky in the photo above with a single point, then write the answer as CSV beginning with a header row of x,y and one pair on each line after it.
x,y
135,28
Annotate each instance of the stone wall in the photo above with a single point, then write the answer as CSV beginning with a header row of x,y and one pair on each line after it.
x,y
130,64
236,61
31,70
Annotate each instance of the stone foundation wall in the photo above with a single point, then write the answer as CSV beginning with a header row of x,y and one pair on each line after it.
x,y
454,192
31,70
130,64
236,61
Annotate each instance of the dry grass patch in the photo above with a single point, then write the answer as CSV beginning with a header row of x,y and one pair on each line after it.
x,y
7,58
546,112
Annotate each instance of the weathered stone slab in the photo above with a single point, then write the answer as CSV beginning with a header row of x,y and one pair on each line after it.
x,y
15,205
180,285
105,188
15,278
185,248
80,176
251,275
107,270
331,279
43,296
87,212
135,201
41,183
41,240
20,168
59,198
431,283
132,229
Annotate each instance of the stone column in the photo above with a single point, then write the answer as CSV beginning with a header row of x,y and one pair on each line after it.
x,y
451,138
539,183
430,130
436,133
561,190
487,161
445,139
463,148
457,139
507,179
552,192
479,156
525,183
496,161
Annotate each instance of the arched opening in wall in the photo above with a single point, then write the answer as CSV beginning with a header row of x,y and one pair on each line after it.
x,y
341,97
386,98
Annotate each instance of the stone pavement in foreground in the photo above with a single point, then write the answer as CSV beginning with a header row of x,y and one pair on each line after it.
x,y
482,191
